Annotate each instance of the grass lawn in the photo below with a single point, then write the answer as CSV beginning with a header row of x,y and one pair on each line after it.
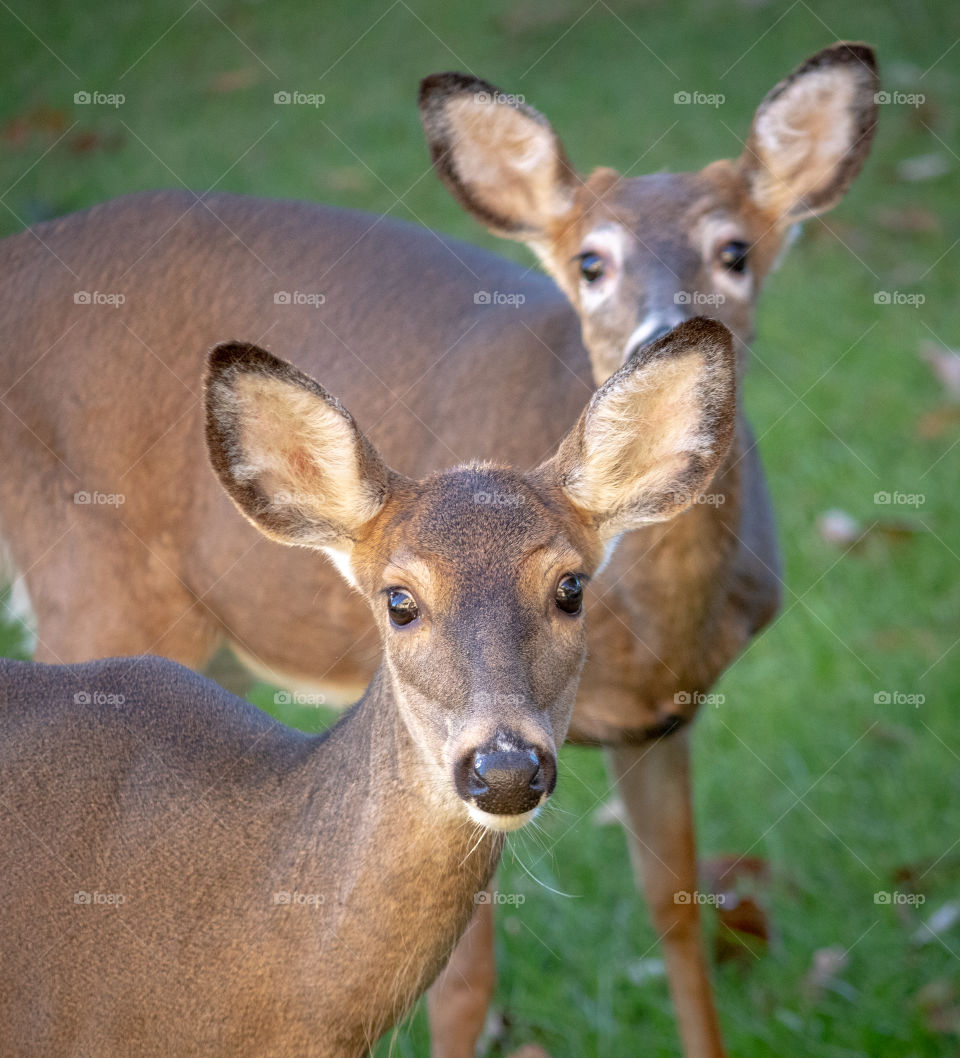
x,y
814,761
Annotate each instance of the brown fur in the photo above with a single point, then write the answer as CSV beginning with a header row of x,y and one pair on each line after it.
x,y
102,398
138,779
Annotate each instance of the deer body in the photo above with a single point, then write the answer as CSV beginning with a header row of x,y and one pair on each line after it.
x,y
185,875
203,955
195,548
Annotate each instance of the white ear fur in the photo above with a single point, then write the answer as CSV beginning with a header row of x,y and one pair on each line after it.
x,y
654,434
289,455
499,157
811,134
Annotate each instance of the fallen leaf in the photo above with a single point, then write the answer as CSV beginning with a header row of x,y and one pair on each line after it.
x,y
908,219
937,1001
234,80
826,964
88,140
609,813
945,364
932,425
739,886
941,921
923,167
839,528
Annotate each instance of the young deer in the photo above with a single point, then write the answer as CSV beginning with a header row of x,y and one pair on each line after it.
x,y
100,400
184,875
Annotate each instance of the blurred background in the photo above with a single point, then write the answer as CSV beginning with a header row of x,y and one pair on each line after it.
x,y
830,767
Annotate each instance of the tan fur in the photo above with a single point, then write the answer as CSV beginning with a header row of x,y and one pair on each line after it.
x,y
437,377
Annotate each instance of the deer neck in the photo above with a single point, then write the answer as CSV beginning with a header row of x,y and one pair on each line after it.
x,y
396,875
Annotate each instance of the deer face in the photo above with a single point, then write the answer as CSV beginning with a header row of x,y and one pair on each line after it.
x,y
475,576
636,256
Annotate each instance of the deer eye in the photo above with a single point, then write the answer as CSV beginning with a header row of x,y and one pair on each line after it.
x,y
733,256
402,607
592,266
569,595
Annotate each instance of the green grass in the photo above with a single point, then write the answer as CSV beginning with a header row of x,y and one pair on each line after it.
x,y
881,782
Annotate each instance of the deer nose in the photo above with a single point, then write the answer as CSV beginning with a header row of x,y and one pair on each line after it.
x,y
506,782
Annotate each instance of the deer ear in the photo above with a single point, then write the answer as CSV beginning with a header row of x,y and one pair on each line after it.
x,y
288,453
497,156
653,435
811,134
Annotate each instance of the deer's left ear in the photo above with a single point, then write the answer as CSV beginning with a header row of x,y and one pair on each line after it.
x,y
811,134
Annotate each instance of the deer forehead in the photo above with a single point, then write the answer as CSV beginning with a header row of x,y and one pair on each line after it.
x,y
471,524
662,213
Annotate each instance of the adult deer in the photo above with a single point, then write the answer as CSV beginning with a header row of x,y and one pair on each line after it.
x,y
101,399
275,894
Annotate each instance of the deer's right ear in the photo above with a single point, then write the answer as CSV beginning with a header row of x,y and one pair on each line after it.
x,y
499,157
287,452
653,435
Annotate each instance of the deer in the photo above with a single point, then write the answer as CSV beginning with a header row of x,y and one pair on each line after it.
x,y
275,893
125,544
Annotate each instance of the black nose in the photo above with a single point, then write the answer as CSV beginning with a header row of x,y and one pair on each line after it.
x,y
506,782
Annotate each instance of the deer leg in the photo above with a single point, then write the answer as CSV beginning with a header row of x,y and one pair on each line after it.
x,y
654,783
458,1000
